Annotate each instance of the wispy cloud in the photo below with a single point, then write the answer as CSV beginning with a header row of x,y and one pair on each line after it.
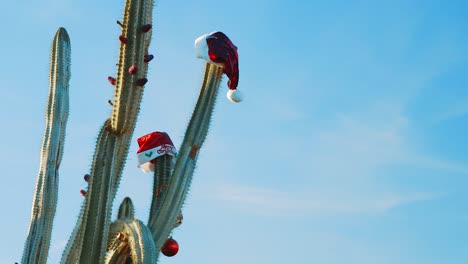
x,y
277,202
452,111
339,168
359,148
438,164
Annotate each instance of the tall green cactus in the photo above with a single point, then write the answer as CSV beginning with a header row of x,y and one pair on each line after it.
x,y
95,239
45,196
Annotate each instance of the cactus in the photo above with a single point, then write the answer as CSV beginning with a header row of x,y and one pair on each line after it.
x,y
45,194
95,239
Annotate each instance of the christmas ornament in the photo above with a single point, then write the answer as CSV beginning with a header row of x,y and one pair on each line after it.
x,y
133,69
141,82
112,80
153,145
170,247
148,58
146,28
123,39
217,48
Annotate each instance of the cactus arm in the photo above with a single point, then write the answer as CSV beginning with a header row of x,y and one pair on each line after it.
x,y
162,174
93,212
45,195
122,147
126,209
130,241
72,249
187,156
129,90
99,202
88,243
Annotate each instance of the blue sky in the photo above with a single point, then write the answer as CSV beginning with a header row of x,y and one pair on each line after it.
x,y
349,146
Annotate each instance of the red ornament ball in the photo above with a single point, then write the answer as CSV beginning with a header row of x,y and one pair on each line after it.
x,y
123,39
146,28
133,69
170,247
112,80
148,58
141,82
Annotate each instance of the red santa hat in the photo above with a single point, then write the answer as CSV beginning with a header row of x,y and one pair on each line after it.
x,y
217,48
153,145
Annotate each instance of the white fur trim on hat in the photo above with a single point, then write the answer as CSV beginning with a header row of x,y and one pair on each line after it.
x,y
201,49
151,154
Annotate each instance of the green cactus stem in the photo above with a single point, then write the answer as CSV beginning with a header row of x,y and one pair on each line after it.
x,y
132,68
128,89
45,195
194,138
130,241
163,167
126,209
89,239
98,203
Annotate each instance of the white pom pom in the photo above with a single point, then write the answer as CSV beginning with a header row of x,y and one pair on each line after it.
x,y
234,96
